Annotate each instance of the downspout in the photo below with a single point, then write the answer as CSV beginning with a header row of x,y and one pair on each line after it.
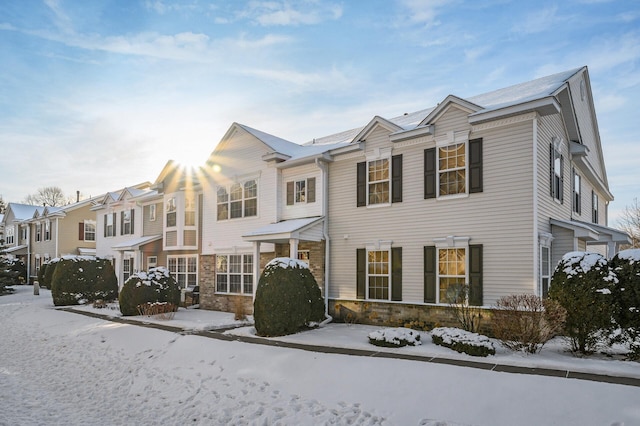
x,y
29,253
325,232
536,248
57,236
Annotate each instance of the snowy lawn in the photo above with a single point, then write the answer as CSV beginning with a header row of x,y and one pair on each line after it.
x,y
61,368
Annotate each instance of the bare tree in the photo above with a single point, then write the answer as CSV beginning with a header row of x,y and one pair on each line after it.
x,y
629,222
3,206
47,196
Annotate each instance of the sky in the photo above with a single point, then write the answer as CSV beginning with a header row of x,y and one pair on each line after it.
x,y
99,95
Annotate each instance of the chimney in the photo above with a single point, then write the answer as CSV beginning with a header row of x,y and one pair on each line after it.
x,y
77,196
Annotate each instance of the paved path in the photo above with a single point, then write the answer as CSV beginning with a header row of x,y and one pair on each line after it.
x,y
219,334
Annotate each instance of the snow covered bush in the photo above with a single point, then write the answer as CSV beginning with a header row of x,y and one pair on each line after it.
x,y
463,341
47,270
394,337
8,276
626,296
142,288
582,284
82,279
526,322
287,298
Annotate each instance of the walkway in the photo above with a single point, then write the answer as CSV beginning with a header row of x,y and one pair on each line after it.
x,y
219,335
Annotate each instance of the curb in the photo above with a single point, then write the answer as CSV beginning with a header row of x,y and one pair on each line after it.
x,y
219,335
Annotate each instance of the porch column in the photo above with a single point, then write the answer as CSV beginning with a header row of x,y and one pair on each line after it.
x,y
293,248
256,267
119,274
611,249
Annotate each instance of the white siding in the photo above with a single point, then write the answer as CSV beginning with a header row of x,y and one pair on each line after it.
x,y
305,209
500,218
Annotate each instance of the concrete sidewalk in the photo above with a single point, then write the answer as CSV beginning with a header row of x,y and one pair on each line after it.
x,y
219,335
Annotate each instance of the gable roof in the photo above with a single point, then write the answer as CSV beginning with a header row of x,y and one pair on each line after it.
x,y
22,211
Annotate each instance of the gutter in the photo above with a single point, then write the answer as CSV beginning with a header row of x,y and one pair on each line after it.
x,y
325,232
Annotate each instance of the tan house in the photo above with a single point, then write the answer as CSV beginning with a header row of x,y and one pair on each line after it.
x,y
16,232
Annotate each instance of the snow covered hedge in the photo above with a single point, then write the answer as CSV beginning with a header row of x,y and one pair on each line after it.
x,y
287,298
83,279
463,341
582,284
395,337
142,288
626,295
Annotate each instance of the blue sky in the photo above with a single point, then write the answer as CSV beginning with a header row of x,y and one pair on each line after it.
x,y
98,95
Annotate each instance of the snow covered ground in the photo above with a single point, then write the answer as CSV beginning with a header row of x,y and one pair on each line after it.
x,y
62,368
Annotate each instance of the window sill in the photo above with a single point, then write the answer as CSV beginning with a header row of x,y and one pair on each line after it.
x,y
452,197
379,205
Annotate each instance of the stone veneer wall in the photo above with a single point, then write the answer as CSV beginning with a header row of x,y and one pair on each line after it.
x,y
316,258
399,314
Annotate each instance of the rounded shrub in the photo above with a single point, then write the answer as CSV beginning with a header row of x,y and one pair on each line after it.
x,y
287,298
626,311
41,272
582,283
83,279
47,275
155,285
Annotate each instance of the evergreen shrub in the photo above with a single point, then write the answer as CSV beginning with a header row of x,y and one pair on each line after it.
x,y
287,298
47,275
83,279
41,272
463,341
582,284
395,337
153,286
626,296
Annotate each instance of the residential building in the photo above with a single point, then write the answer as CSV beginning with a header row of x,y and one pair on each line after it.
x,y
16,232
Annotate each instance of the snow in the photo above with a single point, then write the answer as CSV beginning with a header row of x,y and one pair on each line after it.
x,y
451,335
396,336
287,262
63,368
630,255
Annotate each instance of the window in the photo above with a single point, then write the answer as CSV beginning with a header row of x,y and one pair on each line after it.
x,y
88,230
451,273
234,273
171,212
38,233
127,267
152,261
545,270
109,225
452,169
126,222
184,269
10,237
241,200
557,170
24,233
304,256
378,274
152,213
379,181
301,191
190,211
577,201
47,231
594,210
448,171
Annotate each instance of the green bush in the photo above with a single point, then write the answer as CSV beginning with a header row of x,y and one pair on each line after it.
x,y
8,274
582,284
287,298
47,275
155,285
394,337
83,279
626,296
41,272
463,341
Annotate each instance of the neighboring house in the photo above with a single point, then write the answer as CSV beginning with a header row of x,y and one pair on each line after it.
x,y
489,191
60,231
263,197
120,229
16,231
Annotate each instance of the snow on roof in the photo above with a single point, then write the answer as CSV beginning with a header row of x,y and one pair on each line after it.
x,y
275,143
284,226
24,211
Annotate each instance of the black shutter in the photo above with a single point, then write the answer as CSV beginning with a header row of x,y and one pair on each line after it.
x,y
430,173
429,274
475,165
290,186
311,190
362,184
551,172
396,179
132,219
561,179
105,225
81,231
475,275
396,273
114,224
121,223
361,262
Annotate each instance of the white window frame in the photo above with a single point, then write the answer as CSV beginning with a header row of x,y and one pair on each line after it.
x,y
378,247
556,188
440,171
300,191
190,211
38,232
185,277
171,209
242,199
244,273
304,255
47,230
152,262
595,206
545,268
127,222
10,237
451,242
577,192
127,267
88,232
110,225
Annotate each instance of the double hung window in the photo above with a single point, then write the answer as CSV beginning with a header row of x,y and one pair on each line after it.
x,y
239,200
234,273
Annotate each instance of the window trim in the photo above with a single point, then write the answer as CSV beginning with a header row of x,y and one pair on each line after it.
x,y
176,274
440,146
556,176
595,206
577,192
86,232
242,200
384,249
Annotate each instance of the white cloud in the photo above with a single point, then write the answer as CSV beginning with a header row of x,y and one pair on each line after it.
x,y
423,11
274,13
537,22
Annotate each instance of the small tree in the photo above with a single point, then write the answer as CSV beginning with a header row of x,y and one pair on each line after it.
x,y
82,279
582,284
626,295
629,222
468,316
287,298
526,322
153,286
